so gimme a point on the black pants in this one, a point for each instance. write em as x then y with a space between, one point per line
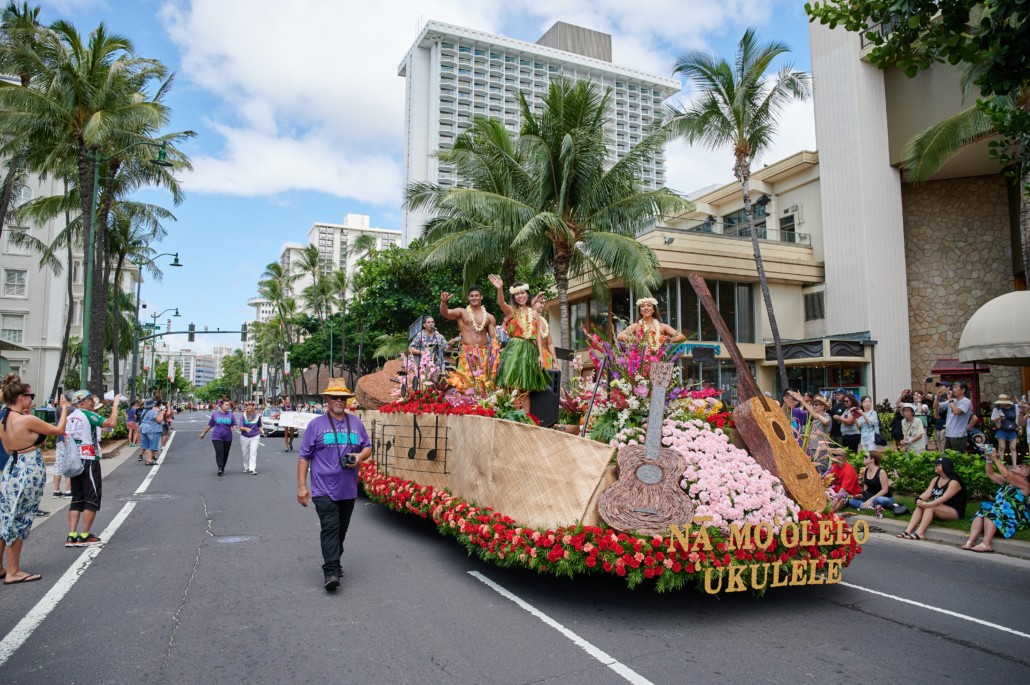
334 516
851 442
221 452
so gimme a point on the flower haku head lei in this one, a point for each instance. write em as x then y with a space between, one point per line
647 300
516 289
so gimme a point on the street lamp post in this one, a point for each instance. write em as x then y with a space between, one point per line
153 327
97 159
135 326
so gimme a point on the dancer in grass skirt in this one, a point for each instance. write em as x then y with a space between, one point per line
522 359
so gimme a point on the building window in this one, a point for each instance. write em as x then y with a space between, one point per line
12 327
787 230
736 223
9 246
735 302
814 307
15 282
77 313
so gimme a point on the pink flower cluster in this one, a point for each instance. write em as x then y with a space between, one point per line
724 481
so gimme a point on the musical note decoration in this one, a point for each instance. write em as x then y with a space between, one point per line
647 497
762 422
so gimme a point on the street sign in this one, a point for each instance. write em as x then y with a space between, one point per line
148 357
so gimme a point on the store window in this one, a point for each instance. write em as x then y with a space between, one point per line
12 327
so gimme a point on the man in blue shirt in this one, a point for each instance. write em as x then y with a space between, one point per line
333 446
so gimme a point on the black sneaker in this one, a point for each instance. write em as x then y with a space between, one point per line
221 472
332 583
72 541
57 493
40 513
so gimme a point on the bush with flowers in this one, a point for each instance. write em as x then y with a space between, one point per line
573 550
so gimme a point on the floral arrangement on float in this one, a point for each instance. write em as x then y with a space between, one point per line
746 532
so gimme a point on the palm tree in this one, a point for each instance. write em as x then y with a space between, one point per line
88 98
364 246
738 105
928 150
560 200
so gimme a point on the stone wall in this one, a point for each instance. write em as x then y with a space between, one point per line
958 255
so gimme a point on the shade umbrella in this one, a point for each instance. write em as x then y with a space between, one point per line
999 332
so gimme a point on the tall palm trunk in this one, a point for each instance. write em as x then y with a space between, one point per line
5 196
742 171
116 324
561 283
68 318
1024 219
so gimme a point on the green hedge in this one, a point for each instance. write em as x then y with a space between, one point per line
910 473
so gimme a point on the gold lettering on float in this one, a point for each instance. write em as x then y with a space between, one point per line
807 539
864 532
777 565
833 570
813 576
703 540
736 580
842 534
740 538
754 576
708 582
789 525
680 536
825 533
769 535
797 571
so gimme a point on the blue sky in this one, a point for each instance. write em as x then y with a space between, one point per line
299 111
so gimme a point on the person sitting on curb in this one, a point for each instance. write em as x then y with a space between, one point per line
944 499
1008 512
876 488
845 483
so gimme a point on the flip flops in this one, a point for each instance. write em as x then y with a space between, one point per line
30 578
911 536
980 549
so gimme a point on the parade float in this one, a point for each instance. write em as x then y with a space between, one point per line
654 490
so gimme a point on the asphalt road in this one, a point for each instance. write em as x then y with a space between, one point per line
211 580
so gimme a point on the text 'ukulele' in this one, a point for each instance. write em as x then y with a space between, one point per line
647 497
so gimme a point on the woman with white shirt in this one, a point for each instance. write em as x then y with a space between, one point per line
869 425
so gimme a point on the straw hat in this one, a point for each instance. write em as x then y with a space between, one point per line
337 386
1004 400
819 399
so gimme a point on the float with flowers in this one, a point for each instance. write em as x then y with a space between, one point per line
653 490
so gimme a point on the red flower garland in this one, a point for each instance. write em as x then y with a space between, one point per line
568 551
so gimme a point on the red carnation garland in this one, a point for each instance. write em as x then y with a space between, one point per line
573 550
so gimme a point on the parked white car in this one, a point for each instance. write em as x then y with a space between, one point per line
270 423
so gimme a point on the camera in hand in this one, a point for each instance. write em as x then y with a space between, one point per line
348 460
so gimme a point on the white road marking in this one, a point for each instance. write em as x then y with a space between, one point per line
25 627
623 670
946 612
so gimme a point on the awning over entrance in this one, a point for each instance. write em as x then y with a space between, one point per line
951 366
999 332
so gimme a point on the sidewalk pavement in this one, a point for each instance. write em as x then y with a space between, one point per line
1019 549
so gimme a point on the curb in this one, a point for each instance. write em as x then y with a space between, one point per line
946 536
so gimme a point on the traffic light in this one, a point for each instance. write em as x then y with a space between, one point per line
243 332
191 335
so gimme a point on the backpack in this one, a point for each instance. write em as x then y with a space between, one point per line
897 431
1008 419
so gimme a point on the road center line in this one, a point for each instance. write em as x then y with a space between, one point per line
939 610
25 627
623 670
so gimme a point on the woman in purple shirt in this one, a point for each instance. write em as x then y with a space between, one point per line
223 421
333 446
250 435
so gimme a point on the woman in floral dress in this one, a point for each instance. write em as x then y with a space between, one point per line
1008 513
24 475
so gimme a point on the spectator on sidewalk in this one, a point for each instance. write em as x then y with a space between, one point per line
868 424
81 435
844 483
913 436
876 487
959 417
850 432
1004 417
1008 513
940 415
943 499
815 442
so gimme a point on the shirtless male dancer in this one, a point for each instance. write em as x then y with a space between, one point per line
479 349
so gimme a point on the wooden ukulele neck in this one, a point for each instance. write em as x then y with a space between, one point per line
747 387
661 373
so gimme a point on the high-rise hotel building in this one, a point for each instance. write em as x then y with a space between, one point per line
454 74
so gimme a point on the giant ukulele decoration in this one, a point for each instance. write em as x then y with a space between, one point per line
762 423
647 497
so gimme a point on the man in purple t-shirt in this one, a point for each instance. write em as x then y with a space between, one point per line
333 446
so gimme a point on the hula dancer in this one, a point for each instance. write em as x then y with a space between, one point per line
650 328
522 361
550 355
479 354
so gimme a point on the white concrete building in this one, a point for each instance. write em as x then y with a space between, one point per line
336 244
207 369
454 74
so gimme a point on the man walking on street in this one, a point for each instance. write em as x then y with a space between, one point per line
333 446
80 434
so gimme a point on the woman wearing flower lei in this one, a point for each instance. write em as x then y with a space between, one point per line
522 359
550 355
649 328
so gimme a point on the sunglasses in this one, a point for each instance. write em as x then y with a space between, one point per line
30 395
337 397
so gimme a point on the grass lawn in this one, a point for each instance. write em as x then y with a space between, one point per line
971 508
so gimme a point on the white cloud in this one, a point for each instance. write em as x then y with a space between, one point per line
309 97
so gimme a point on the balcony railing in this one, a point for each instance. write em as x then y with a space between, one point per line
881 29
770 234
